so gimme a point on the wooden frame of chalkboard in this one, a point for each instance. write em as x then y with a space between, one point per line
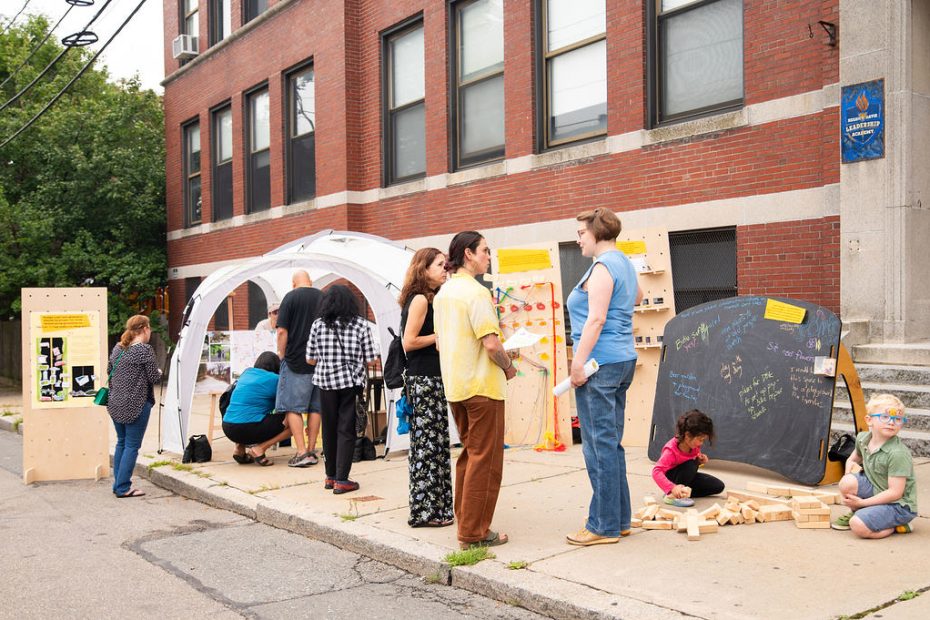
751 369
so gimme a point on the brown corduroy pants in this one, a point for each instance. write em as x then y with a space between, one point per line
479 468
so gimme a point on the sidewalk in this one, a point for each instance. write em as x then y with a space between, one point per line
771 570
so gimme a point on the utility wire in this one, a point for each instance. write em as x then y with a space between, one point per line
75 78
36 48
9 24
54 61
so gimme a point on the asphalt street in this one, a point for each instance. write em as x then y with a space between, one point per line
71 549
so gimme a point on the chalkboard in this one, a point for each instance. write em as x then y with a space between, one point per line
754 376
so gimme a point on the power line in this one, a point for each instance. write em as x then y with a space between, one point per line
76 77
54 61
9 24
36 48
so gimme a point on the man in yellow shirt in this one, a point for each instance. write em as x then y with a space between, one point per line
475 370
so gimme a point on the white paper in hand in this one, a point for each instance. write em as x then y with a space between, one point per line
521 338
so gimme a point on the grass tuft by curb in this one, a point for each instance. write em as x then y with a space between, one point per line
348 517
7 413
904 596
17 423
468 557
158 464
517 564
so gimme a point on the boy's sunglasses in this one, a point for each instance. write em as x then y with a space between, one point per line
885 418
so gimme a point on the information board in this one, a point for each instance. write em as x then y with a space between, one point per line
751 364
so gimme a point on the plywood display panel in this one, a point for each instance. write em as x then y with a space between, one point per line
648 249
64 343
528 292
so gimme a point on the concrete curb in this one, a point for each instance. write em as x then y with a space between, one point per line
6 424
538 592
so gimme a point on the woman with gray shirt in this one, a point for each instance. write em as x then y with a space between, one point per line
132 395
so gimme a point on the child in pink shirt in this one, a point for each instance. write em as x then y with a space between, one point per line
676 471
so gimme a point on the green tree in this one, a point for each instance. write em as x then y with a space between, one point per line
82 191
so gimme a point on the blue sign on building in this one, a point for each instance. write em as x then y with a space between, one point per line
862 107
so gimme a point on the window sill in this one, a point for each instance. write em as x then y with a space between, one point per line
697 127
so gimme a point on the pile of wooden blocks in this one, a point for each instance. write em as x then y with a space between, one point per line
760 504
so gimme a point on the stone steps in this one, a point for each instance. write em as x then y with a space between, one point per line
917 419
910 353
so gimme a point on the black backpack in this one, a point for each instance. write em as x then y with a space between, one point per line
395 364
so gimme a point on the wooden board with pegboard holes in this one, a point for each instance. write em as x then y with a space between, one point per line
527 291
71 440
648 249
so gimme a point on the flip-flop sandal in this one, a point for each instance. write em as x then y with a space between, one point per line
493 539
132 493
261 459
243 459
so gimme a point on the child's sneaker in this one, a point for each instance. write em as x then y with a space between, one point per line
679 502
842 522
903 529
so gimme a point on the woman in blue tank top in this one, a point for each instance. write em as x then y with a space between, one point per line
601 311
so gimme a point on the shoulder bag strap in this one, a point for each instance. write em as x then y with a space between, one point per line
114 366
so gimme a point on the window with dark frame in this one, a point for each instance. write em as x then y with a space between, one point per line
259 159
703 266
220 20
190 18
695 57
301 135
222 152
478 98
253 8
573 66
405 91
258 305
192 197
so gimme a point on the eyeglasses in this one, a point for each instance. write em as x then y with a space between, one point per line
885 418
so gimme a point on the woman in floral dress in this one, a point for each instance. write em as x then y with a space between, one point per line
429 461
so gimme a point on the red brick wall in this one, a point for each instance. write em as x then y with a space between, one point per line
791 259
344 41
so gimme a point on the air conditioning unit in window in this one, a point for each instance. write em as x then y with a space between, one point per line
184 47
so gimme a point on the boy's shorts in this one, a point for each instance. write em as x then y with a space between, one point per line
883 516
296 392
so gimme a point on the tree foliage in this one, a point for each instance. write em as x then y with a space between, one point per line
82 191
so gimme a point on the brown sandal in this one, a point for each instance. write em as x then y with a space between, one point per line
261 459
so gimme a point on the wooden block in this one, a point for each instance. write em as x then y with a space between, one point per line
649 500
639 513
799 518
686 491
694 528
710 513
736 518
757 487
812 518
657 525
829 497
650 512
724 516
814 525
796 491
634 522
753 504
667 515
805 501
760 517
708 526
745 496
776 513
779 491
749 515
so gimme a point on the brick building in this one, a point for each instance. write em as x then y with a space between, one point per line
413 119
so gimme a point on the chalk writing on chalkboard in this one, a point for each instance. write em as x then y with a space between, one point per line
808 388
742 324
685 385
759 392
700 335
730 370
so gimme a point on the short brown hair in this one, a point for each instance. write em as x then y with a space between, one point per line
603 223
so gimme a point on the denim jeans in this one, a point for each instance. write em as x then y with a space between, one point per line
601 408
128 441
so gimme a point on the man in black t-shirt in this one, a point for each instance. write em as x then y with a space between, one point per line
297 394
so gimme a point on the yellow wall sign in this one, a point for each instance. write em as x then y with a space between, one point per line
57 322
515 260
786 313
632 247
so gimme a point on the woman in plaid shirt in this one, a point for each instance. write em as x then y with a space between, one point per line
340 346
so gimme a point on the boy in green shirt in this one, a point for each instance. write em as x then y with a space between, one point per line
883 496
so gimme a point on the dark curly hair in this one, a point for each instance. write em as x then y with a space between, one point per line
696 423
339 305
268 361
468 239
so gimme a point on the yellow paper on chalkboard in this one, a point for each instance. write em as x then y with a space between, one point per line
631 248
786 313
512 261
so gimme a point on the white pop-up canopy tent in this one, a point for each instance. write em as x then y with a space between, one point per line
376 266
